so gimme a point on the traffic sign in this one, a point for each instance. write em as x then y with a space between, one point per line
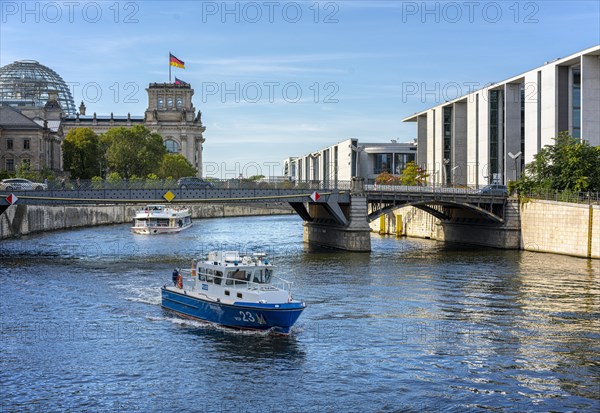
11 199
315 196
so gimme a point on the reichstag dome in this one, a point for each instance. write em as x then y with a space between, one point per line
27 83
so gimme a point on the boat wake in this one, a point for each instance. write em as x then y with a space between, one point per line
205 325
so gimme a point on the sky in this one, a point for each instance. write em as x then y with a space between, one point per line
275 79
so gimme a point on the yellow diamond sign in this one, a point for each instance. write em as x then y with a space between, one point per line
169 196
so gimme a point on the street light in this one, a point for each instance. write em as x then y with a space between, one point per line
515 157
358 150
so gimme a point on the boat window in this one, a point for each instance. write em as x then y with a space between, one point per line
262 276
209 276
239 295
227 292
202 274
218 277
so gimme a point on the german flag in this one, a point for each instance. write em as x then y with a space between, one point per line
173 61
180 82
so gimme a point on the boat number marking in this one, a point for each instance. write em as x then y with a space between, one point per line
205 287
247 316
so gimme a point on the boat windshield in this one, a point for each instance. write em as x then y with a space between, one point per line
262 276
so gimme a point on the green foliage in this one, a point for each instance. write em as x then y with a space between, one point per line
175 165
5 175
97 182
256 177
133 152
413 175
114 177
568 165
81 153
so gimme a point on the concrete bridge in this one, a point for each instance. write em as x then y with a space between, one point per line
336 215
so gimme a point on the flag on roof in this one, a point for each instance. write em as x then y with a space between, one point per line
180 82
173 61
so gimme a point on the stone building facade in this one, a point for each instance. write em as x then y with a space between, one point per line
170 113
31 136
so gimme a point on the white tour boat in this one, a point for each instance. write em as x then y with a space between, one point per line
160 219
234 291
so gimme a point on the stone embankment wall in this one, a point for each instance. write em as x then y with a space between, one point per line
561 228
28 219
542 226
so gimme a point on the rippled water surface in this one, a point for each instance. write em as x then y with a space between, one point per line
413 326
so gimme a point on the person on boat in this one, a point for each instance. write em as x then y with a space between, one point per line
175 276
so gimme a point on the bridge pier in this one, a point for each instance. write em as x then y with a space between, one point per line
354 236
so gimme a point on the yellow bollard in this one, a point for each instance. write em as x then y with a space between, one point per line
398 225
382 225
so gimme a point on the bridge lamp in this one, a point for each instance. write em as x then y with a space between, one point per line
358 150
515 157
454 170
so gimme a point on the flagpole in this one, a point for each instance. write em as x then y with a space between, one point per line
169 67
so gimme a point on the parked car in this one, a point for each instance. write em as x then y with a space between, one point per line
494 189
20 184
193 182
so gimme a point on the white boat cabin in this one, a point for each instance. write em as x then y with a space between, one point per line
230 278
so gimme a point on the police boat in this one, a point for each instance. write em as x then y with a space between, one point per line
234 291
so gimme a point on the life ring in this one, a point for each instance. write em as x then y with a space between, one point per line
179 281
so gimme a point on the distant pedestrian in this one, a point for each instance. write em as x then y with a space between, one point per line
78 183
175 276
46 182
62 183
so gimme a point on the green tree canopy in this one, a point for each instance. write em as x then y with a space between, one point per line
570 164
81 153
175 165
412 175
136 151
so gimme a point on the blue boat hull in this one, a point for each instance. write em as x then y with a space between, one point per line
278 318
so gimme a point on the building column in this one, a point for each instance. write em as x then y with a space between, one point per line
512 130
590 99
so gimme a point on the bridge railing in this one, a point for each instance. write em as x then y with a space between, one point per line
424 189
169 184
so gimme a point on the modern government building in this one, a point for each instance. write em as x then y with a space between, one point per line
490 134
37 111
486 136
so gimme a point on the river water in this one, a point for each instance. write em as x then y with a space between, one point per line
414 326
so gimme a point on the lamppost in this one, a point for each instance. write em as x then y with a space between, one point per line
454 170
515 157
446 162
357 149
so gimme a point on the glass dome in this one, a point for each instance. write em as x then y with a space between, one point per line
27 83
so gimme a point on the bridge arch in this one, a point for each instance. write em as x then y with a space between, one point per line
429 207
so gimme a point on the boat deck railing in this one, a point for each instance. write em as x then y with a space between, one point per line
276 284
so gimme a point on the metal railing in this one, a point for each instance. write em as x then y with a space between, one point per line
207 183
564 196
276 283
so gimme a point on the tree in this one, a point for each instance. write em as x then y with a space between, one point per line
413 175
175 165
570 164
386 178
81 153
136 151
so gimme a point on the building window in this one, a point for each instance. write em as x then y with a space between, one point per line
496 134
9 144
26 143
10 165
383 163
447 144
171 146
576 95
161 103
179 103
400 161
169 102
